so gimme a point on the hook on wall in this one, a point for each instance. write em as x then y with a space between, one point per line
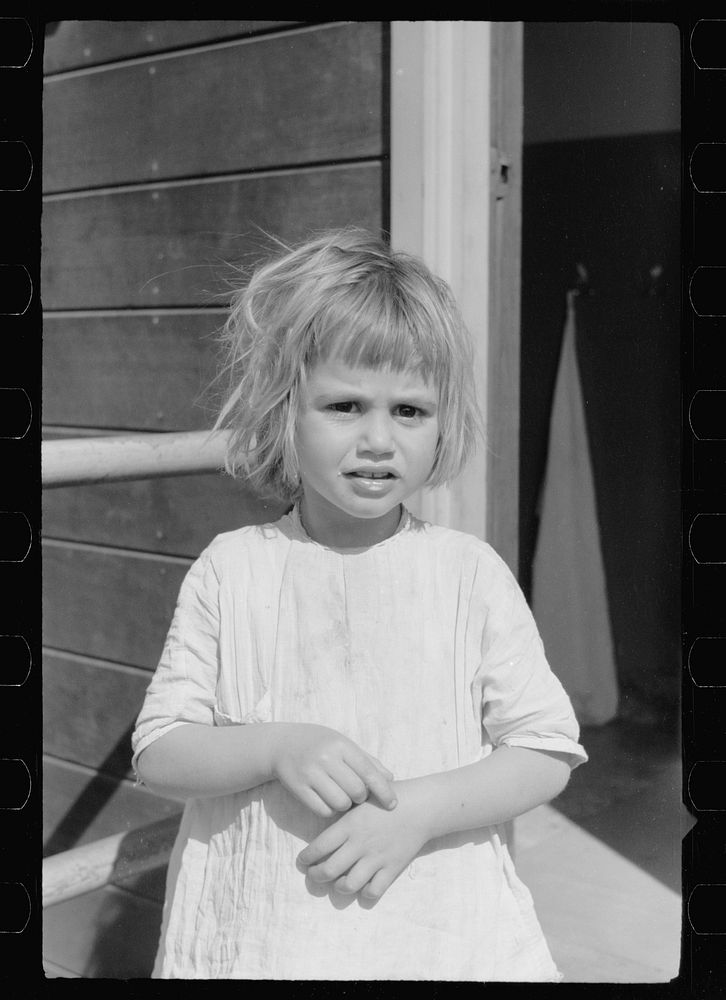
581 284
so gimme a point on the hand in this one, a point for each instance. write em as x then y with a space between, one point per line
368 848
328 772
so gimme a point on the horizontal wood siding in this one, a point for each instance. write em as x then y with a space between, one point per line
72 44
177 516
106 934
171 148
90 710
104 371
81 805
326 102
171 246
110 604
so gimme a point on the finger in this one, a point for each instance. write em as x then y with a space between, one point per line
333 867
380 882
350 782
331 793
369 770
313 801
357 877
382 788
324 844
388 774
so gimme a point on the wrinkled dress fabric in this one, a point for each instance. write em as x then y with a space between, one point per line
423 651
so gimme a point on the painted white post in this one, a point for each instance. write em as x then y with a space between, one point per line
440 188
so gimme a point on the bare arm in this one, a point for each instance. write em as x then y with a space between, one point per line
507 783
197 760
325 770
366 849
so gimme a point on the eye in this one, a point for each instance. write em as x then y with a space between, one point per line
345 406
409 412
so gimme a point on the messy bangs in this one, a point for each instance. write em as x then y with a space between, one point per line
348 296
372 326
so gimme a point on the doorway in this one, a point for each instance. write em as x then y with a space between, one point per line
601 214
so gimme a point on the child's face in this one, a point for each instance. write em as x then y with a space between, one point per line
366 440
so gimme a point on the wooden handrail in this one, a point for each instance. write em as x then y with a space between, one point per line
112 859
82 461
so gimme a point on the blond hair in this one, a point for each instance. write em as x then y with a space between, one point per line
344 293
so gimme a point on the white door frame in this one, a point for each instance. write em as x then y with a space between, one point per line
456 121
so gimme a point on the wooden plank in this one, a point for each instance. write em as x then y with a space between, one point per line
71 44
301 98
108 604
53 432
166 246
89 711
151 884
53 971
605 918
103 371
80 806
502 398
176 516
106 934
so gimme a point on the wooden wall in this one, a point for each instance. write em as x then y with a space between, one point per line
169 146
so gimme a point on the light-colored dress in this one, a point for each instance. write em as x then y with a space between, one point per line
423 651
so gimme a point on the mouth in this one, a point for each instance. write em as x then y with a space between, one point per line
370 474
372 482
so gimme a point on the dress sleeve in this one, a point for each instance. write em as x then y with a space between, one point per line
183 687
522 701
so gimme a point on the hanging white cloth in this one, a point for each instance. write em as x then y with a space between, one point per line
569 591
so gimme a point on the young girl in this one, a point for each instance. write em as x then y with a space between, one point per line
352 702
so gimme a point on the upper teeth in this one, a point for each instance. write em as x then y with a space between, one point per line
373 475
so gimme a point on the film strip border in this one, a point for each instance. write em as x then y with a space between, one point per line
703 969
704 502
20 321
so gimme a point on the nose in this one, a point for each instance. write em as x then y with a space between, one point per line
377 434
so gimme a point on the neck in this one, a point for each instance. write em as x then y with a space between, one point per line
342 532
